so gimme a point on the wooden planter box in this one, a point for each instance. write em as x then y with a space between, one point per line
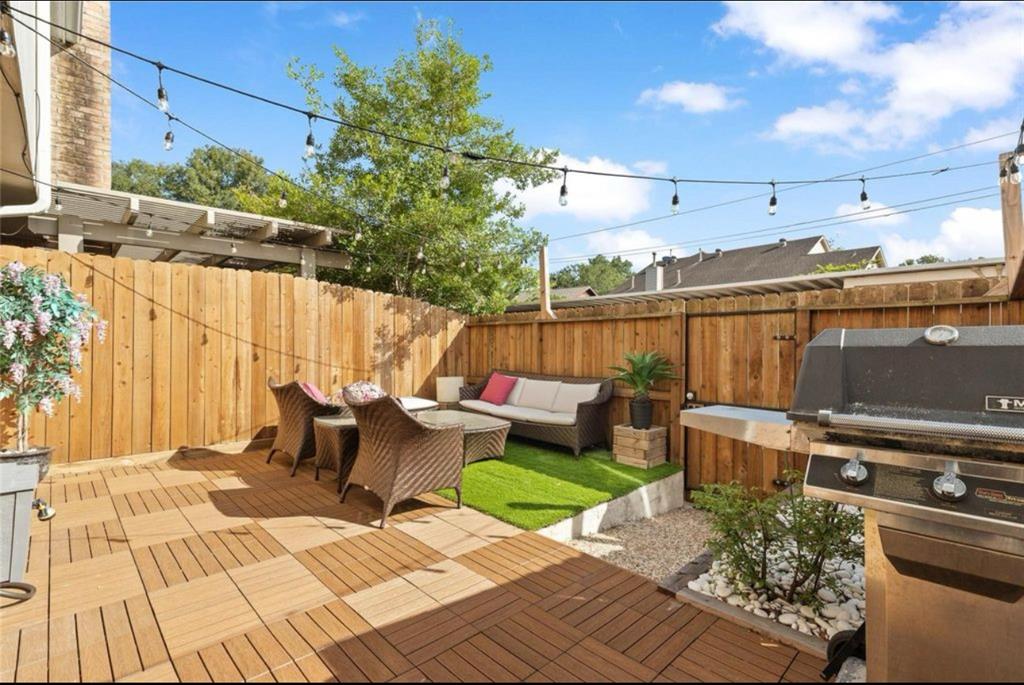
642 448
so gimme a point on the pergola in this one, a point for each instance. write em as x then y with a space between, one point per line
150 228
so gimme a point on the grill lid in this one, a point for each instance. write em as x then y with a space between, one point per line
966 383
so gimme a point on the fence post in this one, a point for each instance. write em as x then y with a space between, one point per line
1013 232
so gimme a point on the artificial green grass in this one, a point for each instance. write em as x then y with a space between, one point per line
534 486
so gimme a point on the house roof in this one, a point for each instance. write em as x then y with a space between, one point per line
575 293
756 263
943 271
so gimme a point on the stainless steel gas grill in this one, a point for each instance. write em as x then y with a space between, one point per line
924 429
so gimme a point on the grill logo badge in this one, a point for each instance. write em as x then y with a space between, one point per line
999 403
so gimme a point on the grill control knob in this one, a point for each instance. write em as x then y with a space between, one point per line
854 472
947 486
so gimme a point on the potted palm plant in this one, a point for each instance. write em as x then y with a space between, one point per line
642 371
43 327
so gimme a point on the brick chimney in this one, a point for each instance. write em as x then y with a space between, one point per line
80 104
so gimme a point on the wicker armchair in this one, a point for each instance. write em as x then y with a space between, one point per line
591 427
400 458
295 427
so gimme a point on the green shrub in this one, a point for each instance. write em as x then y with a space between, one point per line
756 535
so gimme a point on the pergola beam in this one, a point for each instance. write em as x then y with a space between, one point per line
206 220
268 232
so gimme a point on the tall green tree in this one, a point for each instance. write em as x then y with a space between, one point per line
389 192
923 259
599 272
210 176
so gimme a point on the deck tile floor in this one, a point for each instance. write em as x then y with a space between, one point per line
219 567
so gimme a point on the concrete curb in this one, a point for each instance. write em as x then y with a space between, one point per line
647 501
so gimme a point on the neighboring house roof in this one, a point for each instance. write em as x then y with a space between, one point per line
782 259
577 293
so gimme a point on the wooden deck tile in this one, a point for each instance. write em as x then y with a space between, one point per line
449 581
478 524
161 673
174 477
151 529
447 538
390 602
202 612
296 533
209 516
125 484
280 587
83 512
93 583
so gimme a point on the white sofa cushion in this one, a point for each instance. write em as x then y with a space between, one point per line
571 394
517 392
538 394
505 411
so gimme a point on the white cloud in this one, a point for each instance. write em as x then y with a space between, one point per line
969 232
991 129
591 198
345 20
651 167
611 242
970 60
851 86
696 98
879 217
807 31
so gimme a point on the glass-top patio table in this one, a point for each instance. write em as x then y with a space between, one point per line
483 436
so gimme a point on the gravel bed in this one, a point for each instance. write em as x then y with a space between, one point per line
655 547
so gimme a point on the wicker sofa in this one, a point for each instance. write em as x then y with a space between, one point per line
587 426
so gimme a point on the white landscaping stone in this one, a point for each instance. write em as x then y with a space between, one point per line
787 619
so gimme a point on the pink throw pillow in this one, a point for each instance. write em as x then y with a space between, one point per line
313 392
499 387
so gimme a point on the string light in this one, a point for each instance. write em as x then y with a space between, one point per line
310 140
169 136
161 92
445 178
1014 173
563 194
479 266
865 203
1004 176
773 203
675 197
7 48
57 206
149 231
419 255
462 263
234 249
282 201
358 235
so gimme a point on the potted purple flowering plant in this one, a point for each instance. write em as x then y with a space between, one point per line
43 327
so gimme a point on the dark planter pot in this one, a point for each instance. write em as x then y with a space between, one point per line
40 456
641 412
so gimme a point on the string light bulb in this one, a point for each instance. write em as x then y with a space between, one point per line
1014 173
310 140
563 194
419 254
446 179
7 48
367 269
234 248
161 92
462 263
282 201
865 203
169 136
773 203
149 231
1019 154
1004 176
479 266
675 196
358 235
57 206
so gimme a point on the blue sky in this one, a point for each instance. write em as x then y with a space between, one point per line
711 90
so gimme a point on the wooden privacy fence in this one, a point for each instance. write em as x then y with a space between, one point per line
735 350
189 350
